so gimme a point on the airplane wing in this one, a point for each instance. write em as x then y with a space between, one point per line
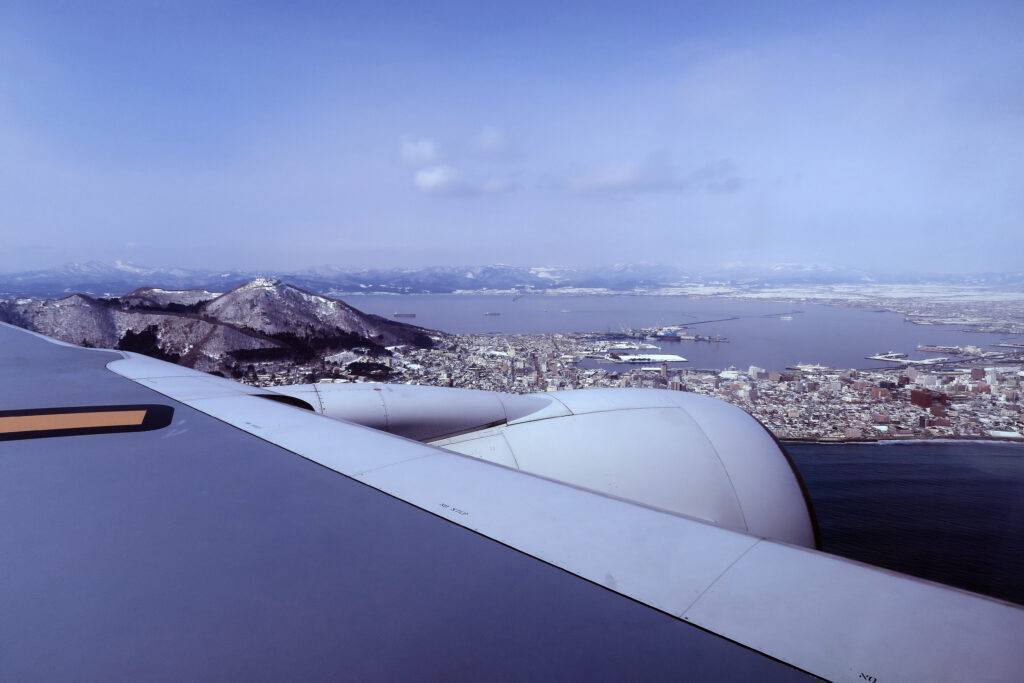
159 523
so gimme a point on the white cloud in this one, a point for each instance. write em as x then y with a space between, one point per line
439 179
419 151
447 174
444 179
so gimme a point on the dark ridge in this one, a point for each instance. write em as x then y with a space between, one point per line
370 370
422 341
170 307
312 345
146 343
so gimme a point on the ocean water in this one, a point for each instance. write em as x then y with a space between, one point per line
951 512
836 336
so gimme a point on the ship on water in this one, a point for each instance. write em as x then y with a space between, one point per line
675 336
491 313
939 348
666 334
405 315
645 358
808 367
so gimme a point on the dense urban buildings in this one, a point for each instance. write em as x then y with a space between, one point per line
969 399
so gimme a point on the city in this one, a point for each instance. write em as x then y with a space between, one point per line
974 399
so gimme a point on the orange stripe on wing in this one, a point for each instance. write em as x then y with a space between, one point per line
61 421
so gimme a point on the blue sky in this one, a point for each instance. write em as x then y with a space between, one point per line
284 135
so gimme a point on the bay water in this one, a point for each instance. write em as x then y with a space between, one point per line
771 335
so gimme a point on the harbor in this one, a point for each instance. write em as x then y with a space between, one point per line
904 359
747 333
645 358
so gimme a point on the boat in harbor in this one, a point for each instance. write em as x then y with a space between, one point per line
645 358
939 348
808 367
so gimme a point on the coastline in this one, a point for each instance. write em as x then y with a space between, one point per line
892 299
915 439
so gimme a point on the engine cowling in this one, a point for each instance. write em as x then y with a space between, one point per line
677 451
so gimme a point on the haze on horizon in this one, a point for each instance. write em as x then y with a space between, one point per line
286 135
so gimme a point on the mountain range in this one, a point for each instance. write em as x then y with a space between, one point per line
106 280
259 320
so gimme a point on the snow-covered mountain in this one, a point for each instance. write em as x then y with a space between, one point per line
107 280
273 307
156 297
99 279
263 318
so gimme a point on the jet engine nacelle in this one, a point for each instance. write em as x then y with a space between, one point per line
672 450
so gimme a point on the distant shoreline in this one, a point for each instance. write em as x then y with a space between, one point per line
814 295
915 439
